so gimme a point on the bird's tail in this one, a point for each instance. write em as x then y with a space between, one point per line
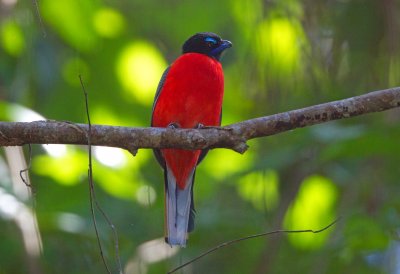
179 209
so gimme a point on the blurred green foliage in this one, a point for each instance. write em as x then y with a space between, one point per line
286 55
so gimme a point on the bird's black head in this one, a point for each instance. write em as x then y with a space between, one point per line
207 43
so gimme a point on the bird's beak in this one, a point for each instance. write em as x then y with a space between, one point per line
223 46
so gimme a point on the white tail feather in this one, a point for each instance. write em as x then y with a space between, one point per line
178 209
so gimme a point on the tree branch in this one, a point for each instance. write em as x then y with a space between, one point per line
233 136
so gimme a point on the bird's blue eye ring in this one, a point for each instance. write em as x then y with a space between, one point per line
211 40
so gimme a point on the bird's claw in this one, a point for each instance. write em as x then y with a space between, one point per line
199 126
173 125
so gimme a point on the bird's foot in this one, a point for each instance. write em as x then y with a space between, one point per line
199 126
173 125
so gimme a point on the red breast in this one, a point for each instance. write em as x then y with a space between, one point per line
192 93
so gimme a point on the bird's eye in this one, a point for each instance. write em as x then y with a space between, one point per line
210 40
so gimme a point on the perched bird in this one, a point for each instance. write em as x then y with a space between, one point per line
189 95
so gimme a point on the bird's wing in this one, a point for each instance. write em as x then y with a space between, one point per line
159 88
157 152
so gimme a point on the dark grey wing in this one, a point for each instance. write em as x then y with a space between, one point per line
157 152
159 88
192 209
205 151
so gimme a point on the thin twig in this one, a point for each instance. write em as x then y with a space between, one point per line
90 177
32 192
115 234
250 237
37 12
25 170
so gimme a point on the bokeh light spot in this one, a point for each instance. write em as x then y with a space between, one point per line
56 150
65 170
22 114
261 189
217 165
12 38
139 68
312 209
146 195
278 43
122 184
110 156
70 222
108 22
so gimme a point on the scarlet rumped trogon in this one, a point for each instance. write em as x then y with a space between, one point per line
189 95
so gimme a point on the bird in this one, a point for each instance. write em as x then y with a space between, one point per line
189 95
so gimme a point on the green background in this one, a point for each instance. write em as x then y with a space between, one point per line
286 55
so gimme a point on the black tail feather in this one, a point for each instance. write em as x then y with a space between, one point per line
192 209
